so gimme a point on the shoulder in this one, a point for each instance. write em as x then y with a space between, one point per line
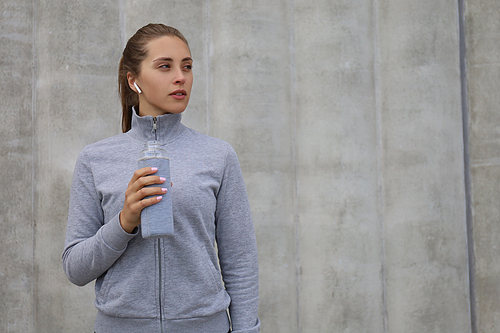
115 147
207 150
208 143
115 144
108 143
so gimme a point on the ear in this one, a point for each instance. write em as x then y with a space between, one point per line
131 81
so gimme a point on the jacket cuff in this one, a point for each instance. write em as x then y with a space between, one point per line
114 236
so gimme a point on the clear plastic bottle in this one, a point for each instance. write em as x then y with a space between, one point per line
157 220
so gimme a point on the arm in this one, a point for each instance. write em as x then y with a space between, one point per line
237 248
91 246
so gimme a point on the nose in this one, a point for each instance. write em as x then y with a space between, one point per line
179 78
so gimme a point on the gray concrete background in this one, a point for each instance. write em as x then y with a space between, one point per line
347 119
483 59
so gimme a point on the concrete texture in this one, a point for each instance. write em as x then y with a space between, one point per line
422 167
483 74
347 119
17 167
337 147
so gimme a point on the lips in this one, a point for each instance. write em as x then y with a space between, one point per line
179 94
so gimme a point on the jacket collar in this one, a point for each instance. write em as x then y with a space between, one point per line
168 127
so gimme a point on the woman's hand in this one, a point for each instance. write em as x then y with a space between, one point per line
130 216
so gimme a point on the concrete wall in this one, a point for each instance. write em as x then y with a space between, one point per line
347 119
17 86
483 64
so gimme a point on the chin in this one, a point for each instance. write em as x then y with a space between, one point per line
175 110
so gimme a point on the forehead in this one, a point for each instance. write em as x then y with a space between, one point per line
167 47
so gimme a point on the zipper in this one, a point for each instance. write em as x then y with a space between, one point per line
154 127
159 253
159 285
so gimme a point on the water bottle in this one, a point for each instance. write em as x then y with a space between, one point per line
157 220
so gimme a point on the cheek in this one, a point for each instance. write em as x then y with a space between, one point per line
157 85
189 82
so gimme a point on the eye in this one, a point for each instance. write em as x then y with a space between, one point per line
188 67
164 66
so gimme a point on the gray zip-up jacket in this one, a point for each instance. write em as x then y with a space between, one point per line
171 284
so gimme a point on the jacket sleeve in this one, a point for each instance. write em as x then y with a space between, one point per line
91 246
237 248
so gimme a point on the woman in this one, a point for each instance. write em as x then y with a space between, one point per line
170 284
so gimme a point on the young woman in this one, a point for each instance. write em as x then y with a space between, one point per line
171 284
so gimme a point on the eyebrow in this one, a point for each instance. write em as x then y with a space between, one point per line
170 59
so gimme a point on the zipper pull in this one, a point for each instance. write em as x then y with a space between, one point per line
154 127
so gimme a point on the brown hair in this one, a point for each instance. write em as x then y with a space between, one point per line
133 55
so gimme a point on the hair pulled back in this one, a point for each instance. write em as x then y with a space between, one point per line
133 55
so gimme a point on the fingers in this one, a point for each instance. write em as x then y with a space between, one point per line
140 194
135 207
145 192
139 179
149 201
137 195
138 174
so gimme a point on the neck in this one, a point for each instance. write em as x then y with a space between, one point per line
168 127
143 112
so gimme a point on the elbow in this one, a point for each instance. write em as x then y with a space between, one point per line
75 278
78 282
73 274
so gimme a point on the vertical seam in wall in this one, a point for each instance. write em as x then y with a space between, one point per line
378 107
467 177
207 72
296 217
33 165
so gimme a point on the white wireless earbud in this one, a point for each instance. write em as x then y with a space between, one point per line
137 87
